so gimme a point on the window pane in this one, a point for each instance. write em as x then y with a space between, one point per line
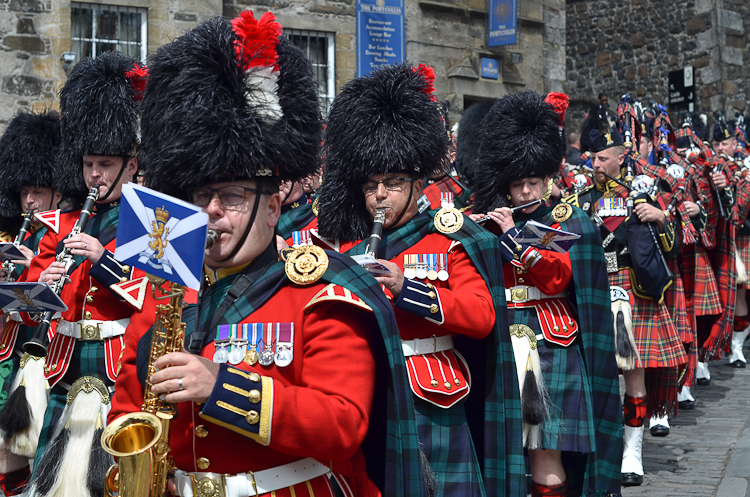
130 26
106 27
80 23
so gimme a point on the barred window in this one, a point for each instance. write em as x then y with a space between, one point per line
95 29
319 46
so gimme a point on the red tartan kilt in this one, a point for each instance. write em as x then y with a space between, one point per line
706 298
656 337
675 300
743 249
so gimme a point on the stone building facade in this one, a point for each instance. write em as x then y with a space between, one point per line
630 46
449 35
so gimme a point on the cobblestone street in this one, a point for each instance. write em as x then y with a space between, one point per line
707 452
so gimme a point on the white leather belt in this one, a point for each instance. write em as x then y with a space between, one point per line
248 484
92 329
420 346
14 316
523 293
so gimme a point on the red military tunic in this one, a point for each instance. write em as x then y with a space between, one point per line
318 406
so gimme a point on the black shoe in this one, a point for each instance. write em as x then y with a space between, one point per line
687 405
738 364
659 431
631 480
703 381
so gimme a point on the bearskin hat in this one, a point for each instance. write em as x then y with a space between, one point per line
99 115
385 122
28 155
229 101
467 141
521 137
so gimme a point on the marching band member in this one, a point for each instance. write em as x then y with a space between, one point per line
28 150
99 136
558 303
384 136
309 406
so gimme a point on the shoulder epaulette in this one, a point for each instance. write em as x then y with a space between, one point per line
50 219
337 293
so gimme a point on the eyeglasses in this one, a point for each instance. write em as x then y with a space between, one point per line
228 195
390 184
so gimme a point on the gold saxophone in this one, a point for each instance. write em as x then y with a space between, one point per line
140 440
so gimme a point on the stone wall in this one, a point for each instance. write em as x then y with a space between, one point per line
631 46
35 33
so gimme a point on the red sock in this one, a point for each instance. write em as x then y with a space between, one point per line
539 490
633 411
15 482
740 323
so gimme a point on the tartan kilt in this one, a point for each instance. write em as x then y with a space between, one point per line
743 250
569 426
446 442
676 302
706 298
656 337
661 385
88 359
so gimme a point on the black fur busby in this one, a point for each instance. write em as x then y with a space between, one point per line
520 138
28 154
467 141
99 116
229 101
385 122
723 130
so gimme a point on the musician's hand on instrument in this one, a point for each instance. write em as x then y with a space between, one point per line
691 208
394 282
53 273
28 253
86 246
475 217
719 180
184 377
647 213
503 217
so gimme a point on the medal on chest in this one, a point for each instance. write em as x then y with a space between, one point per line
255 333
426 266
284 344
269 339
238 344
222 341
301 238
448 219
607 207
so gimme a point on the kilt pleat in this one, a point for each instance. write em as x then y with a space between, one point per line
706 298
446 442
677 305
743 249
656 337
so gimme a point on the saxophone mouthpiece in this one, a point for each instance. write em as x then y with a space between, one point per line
212 238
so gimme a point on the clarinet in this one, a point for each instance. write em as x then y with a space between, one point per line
37 345
11 266
377 228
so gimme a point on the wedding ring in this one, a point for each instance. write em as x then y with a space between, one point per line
85 245
179 384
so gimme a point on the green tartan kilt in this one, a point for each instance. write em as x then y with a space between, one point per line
9 367
87 360
570 425
446 442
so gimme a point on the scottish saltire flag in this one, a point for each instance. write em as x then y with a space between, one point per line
9 252
541 236
29 297
162 235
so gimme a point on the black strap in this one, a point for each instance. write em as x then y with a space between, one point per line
240 285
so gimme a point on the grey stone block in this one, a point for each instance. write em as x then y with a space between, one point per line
732 487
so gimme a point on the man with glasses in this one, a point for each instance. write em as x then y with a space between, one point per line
384 136
285 372
98 128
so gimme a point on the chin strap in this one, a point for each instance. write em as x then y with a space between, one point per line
125 160
408 203
249 226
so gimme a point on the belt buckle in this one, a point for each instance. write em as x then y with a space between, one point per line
255 487
519 294
612 265
91 332
434 344
210 487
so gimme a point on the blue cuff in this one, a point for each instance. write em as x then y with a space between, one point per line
508 245
241 402
421 299
109 271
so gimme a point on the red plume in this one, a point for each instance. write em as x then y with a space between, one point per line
559 101
428 74
257 40
138 76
